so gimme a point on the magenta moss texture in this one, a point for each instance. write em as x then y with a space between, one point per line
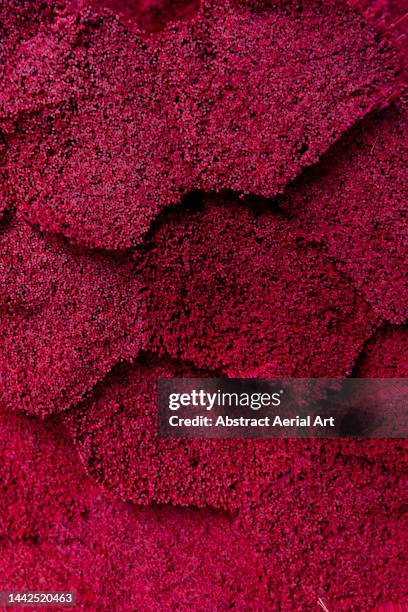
58 529
199 189
66 318
114 127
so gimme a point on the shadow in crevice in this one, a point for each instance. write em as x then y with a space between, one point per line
150 16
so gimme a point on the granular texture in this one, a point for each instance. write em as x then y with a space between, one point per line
332 525
66 318
231 287
104 122
342 500
59 531
115 430
355 202
69 315
149 15
390 18
243 98
116 434
385 355
5 195
20 20
328 511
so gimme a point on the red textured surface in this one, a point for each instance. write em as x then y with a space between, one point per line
101 166
273 306
66 319
149 15
392 607
20 20
327 511
102 127
385 355
355 202
390 18
5 198
116 432
59 531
